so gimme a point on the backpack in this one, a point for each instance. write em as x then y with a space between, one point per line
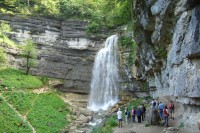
165 112
171 105
129 114
154 103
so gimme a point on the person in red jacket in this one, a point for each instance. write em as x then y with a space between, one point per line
166 114
171 110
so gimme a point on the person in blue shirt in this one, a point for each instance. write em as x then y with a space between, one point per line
139 114
161 106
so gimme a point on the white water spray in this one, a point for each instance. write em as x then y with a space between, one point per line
104 85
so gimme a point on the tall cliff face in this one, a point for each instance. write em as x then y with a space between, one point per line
168 38
63 49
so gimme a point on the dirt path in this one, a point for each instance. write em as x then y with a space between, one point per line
19 115
140 128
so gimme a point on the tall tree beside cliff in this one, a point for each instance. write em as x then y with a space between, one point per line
29 52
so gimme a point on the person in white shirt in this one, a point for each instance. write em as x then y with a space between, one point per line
119 117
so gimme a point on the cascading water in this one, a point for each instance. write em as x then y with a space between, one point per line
105 78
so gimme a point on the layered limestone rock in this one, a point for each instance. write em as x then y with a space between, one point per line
168 38
63 49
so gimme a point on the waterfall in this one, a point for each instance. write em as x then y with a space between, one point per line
105 78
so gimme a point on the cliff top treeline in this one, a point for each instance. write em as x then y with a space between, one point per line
99 13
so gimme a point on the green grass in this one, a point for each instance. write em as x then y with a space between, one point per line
48 113
22 102
108 126
16 79
10 122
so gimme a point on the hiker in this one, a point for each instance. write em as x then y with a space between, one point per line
139 114
143 109
161 106
171 110
153 103
119 117
127 115
157 103
133 114
166 114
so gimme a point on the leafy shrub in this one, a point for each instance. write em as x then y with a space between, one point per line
44 80
112 122
108 126
4 30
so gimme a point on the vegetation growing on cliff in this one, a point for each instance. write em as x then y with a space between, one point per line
128 45
99 13
29 52
4 39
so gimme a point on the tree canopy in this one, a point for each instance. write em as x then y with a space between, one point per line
100 13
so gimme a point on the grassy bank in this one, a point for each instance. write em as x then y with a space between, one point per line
10 121
15 79
46 112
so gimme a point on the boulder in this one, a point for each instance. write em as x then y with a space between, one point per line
153 116
170 130
83 118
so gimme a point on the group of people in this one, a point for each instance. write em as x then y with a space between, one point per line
139 113
165 111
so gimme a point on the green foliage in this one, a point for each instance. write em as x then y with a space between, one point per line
29 52
44 80
181 125
108 126
112 122
48 113
15 79
22 101
9 120
5 29
3 58
135 103
100 14
128 44
161 52
94 27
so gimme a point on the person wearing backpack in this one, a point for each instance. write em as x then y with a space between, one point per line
133 114
171 110
127 114
139 114
166 114
153 103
